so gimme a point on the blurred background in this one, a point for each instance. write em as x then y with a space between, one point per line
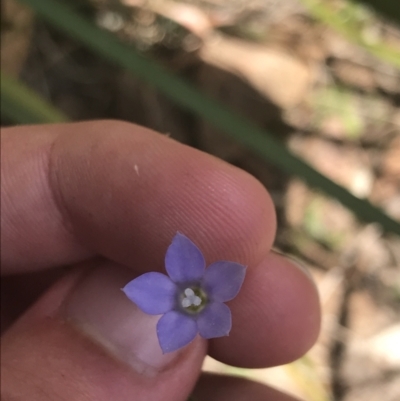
316 79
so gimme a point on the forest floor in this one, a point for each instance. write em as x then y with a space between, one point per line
334 103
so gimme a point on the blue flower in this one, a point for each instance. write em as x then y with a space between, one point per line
191 299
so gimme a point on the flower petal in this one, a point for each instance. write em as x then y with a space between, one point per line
214 321
154 293
175 330
223 280
184 262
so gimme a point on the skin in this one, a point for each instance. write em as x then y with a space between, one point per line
78 196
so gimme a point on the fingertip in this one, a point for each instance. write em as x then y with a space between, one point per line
123 191
276 317
134 183
237 216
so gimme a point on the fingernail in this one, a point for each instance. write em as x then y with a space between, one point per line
99 308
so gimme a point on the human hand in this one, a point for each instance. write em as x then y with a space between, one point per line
86 207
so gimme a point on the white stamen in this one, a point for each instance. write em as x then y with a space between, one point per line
189 292
190 298
186 302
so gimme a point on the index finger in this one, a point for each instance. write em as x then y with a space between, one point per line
122 191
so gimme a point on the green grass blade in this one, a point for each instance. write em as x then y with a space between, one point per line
23 106
237 127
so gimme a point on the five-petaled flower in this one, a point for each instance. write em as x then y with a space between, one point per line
191 299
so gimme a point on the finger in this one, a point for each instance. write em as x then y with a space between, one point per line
20 291
212 387
85 331
276 316
111 188
83 341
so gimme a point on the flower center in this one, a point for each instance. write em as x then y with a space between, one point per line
193 299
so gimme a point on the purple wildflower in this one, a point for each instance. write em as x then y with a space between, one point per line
191 299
